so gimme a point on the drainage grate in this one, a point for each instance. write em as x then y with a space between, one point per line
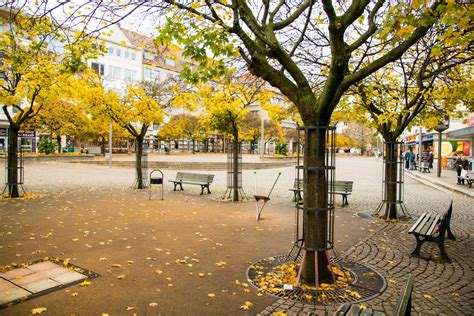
38 278
366 283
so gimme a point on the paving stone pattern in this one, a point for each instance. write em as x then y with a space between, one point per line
440 288
23 282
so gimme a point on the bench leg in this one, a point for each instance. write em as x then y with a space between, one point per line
344 200
208 190
450 234
419 243
181 186
175 185
202 190
444 255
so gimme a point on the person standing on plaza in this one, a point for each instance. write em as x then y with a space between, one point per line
407 158
458 164
429 160
411 161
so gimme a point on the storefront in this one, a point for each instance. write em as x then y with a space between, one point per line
27 140
464 137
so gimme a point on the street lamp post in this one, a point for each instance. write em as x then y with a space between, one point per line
442 126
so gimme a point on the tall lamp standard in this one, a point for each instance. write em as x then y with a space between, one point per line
442 126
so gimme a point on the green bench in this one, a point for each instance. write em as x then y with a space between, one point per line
433 227
343 188
204 180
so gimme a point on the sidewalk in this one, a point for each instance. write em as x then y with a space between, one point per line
448 180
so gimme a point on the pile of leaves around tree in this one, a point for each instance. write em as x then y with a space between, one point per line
274 282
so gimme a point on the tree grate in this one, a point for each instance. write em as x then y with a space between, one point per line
366 284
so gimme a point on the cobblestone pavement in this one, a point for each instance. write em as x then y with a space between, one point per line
440 288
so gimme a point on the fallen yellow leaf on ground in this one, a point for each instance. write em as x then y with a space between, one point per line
85 283
38 310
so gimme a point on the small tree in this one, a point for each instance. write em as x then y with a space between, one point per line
31 69
134 113
226 106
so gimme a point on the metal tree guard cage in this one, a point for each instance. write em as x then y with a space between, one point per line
20 170
299 248
390 164
230 172
143 166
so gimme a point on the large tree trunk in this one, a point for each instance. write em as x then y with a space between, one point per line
235 167
138 157
194 146
315 198
12 162
391 181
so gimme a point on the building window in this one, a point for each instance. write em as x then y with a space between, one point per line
98 68
170 62
115 72
133 56
150 74
149 55
118 52
127 54
111 50
130 75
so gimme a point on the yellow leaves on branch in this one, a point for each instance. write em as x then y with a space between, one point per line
405 31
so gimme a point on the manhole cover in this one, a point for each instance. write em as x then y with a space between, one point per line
38 278
363 283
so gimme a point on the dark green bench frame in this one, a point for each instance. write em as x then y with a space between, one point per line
433 227
341 187
204 180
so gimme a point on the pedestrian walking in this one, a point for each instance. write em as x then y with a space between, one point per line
411 161
430 160
459 165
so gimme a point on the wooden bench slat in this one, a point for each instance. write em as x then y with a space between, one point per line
404 301
433 225
422 224
417 223
426 227
354 310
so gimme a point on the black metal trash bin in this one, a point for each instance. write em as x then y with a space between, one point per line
156 179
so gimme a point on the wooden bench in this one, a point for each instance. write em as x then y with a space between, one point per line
343 188
425 167
204 180
403 307
433 227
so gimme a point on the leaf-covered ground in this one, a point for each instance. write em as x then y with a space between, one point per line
185 255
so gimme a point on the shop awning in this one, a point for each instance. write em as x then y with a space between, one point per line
466 132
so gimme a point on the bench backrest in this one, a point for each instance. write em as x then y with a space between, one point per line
195 177
446 219
403 306
345 186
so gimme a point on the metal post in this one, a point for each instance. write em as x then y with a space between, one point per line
262 140
420 148
110 145
439 153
